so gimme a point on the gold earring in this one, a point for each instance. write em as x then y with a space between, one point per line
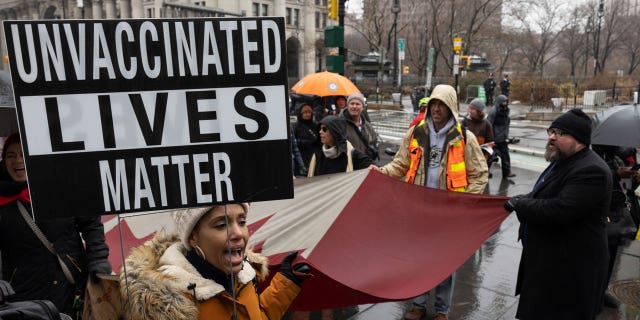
199 252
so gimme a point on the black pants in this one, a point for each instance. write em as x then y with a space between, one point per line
503 153
489 95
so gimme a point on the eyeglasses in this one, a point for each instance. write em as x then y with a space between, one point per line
324 129
556 132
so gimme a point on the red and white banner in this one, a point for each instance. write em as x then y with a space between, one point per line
368 238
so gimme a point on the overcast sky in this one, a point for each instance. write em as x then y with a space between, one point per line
355 6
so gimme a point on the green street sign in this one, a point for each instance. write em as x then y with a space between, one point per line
401 44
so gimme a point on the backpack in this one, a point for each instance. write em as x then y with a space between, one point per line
31 310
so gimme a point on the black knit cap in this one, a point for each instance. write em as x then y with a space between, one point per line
576 123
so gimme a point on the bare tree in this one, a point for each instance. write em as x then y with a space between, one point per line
611 32
572 39
506 44
630 43
542 23
476 20
376 26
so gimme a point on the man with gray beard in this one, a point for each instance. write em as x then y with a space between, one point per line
564 259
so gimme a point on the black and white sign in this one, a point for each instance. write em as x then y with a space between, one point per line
136 115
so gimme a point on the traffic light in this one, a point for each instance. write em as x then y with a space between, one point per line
333 8
405 69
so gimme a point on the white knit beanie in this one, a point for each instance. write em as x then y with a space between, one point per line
187 219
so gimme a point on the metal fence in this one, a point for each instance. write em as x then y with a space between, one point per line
562 98
390 123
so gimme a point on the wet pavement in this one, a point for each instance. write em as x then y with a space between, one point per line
485 284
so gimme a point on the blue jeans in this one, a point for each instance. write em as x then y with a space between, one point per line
444 295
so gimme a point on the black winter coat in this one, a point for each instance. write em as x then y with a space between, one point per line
34 272
325 165
563 267
308 138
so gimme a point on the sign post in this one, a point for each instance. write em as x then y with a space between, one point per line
400 58
457 47
136 115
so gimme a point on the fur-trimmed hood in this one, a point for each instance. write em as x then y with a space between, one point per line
159 280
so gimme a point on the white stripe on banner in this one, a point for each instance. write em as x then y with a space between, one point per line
85 122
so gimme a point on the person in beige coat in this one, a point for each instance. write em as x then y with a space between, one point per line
439 153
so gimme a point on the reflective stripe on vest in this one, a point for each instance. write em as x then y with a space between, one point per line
456 168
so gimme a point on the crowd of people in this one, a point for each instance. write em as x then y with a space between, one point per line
206 270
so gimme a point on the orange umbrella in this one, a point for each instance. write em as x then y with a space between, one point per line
325 84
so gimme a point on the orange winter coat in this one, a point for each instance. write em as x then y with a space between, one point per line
161 282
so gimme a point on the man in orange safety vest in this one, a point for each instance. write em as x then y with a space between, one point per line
439 153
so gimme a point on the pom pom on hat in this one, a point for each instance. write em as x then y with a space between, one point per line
187 219
576 123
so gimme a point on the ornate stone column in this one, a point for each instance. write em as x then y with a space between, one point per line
309 44
110 9
137 10
125 9
97 9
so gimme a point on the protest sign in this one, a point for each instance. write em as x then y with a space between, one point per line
136 115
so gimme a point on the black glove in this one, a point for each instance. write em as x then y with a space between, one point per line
302 171
101 266
510 205
298 273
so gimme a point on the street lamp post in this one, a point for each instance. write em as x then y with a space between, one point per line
588 29
395 10
596 49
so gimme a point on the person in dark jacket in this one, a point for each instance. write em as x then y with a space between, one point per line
500 120
360 132
505 85
336 153
306 132
477 123
489 88
33 271
563 266
297 164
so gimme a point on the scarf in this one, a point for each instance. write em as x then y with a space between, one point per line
11 191
331 152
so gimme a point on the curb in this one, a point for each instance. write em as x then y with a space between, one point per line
525 150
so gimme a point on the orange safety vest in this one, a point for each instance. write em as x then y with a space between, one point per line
456 167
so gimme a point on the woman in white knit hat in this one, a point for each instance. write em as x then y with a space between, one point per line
205 271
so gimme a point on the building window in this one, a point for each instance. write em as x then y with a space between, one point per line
296 17
288 16
150 13
324 3
324 21
199 3
255 7
318 20
265 9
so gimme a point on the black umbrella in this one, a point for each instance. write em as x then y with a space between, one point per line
617 126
